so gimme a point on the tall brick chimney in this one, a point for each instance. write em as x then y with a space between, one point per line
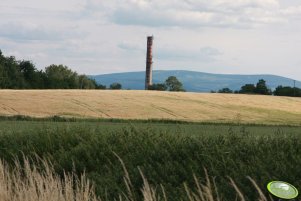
149 63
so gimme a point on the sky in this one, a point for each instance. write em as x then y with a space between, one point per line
109 36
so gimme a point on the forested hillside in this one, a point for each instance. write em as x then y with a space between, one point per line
21 74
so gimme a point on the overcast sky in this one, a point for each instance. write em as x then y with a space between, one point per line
107 36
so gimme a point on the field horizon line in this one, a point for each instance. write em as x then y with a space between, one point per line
57 118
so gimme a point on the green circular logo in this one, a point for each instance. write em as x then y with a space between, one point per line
282 190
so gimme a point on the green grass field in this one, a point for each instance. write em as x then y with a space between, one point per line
186 129
167 153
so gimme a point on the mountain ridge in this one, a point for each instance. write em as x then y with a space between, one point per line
194 81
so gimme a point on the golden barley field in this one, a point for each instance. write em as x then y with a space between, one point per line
132 104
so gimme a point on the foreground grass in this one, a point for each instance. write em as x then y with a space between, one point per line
26 182
168 155
129 104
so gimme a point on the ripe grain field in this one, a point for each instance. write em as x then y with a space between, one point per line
168 153
132 104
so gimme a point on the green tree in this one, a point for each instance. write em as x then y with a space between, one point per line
173 84
61 77
86 83
158 87
28 70
247 89
287 91
115 85
34 79
261 88
4 76
100 86
225 90
24 75
12 74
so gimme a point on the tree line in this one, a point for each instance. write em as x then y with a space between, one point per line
262 89
15 74
171 84
23 74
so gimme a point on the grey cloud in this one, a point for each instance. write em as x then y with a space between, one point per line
26 11
88 35
75 51
19 31
292 11
210 51
193 13
130 47
205 54
25 32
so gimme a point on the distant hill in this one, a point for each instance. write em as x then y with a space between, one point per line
193 81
